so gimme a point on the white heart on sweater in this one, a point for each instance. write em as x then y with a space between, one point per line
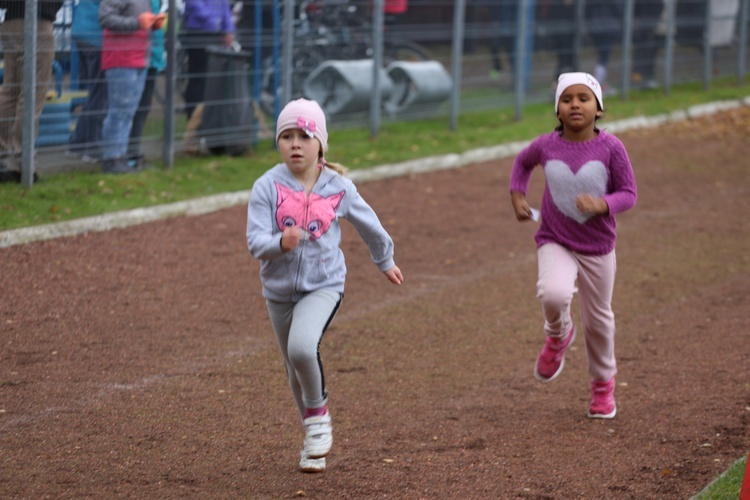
565 186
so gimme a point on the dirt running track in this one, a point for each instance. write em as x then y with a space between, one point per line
141 363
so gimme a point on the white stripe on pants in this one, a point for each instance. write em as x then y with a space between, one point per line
559 268
299 328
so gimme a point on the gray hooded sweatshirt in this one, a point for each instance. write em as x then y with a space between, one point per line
278 200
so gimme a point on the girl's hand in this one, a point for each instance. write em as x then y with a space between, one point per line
146 20
588 205
290 238
394 275
159 21
520 206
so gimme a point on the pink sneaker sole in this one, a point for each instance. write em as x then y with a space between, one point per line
602 415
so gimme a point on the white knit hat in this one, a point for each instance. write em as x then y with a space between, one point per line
568 79
306 115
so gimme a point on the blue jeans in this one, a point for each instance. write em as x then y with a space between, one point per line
124 89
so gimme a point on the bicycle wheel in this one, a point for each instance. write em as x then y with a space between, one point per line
404 50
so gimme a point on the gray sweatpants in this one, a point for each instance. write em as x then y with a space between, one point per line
299 328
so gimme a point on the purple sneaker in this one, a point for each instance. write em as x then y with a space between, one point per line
602 399
551 359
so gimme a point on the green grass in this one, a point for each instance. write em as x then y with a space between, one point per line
74 195
727 485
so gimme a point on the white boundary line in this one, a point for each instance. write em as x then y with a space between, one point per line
209 204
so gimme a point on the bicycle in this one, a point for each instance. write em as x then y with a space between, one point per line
325 31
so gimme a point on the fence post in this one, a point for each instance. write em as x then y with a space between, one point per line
669 45
377 47
257 60
707 51
742 55
459 13
29 92
580 25
627 48
167 152
520 69
287 50
275 58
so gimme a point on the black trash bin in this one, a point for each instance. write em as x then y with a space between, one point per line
228 120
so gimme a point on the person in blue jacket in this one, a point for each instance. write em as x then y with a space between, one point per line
85 141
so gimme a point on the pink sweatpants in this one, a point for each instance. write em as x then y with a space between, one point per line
559 269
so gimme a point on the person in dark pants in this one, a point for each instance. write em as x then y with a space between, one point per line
12 90
504 18
205 23
646 42
605 30
85 141
158 63
558 18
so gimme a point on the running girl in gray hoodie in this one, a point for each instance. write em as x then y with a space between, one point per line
293 229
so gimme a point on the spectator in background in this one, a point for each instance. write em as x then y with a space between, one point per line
499 40
504 17
646 41
158 63
558 18
126 39
205 23
245 29
605 29
85 141
12 91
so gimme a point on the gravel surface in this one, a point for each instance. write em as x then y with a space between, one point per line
140 362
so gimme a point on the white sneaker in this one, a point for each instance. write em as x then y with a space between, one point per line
307 464
318 436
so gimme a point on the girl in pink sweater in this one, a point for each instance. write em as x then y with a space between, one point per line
589 179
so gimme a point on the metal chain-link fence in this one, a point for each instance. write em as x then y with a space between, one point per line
372 61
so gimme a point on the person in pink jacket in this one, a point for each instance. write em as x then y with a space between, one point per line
126 46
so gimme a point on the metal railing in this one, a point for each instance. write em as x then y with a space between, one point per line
629 44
